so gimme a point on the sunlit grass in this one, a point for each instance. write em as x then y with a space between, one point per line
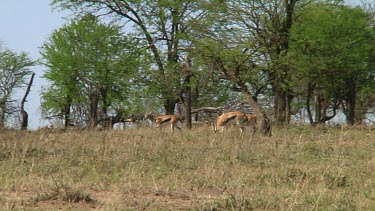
297 168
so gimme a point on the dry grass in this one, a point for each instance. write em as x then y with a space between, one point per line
299 168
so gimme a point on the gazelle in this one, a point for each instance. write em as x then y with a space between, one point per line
237 117
158 120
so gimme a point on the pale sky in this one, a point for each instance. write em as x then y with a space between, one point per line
24 26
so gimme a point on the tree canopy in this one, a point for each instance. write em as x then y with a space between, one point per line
90 66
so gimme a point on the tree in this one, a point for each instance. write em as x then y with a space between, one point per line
233 63
265 26
231 49
162 26
24 114
332 48
13 74
89 65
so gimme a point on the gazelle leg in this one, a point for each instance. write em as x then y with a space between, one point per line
241 130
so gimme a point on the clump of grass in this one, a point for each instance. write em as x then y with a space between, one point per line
64 194
68 194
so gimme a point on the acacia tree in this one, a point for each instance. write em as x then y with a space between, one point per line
89 67
13 74
332 47
248 43
162 26
246 46
254 38
232 64
265 26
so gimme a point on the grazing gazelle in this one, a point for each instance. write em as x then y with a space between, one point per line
159 119
237 117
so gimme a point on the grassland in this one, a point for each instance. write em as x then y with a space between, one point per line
299 168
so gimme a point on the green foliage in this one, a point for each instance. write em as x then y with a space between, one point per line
165 29
229 50
331 49
88 57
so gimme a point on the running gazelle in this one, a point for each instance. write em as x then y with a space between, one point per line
159 119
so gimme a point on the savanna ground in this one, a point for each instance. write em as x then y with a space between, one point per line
298 168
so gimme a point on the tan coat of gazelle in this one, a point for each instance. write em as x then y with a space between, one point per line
158 120
239 119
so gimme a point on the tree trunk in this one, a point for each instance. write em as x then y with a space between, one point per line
350 101
106 104
24 115
263 120
308 97
3 110
93 115
282 94
25 120
280 106
169 106
195 101
188 74
282 102
66 113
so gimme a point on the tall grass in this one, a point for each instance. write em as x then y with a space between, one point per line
298 168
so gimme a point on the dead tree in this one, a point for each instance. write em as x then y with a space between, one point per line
24 115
